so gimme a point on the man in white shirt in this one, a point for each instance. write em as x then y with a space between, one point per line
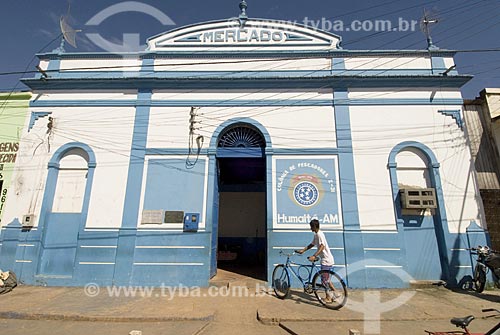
327 261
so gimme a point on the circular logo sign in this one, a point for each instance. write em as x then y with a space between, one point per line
306 193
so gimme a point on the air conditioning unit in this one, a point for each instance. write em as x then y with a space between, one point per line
418 198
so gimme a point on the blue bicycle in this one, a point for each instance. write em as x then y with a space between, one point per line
328 287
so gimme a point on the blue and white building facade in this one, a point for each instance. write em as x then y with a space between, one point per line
247 129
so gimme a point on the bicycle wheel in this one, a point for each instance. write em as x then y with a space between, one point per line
479 279
330 289
281 281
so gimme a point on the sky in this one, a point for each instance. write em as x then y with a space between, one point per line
28 27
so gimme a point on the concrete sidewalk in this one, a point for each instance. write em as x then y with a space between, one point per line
384 312
250 307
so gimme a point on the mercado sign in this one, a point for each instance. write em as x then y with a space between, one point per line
13 115
307 188
242 36
231 34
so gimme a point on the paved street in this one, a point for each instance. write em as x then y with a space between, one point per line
239 306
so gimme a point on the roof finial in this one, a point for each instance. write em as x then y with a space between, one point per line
243 15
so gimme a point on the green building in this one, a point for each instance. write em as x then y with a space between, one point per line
14 108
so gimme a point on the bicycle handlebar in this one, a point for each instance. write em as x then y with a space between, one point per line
296 252
288 255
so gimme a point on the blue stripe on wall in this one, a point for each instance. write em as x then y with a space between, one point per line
126 238
353 244
136 163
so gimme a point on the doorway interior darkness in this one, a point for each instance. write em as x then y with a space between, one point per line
242 216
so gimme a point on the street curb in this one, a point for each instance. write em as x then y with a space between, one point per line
278 321
96 318
287 329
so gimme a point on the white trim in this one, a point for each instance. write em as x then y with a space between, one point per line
102 229
96 263
99 246
308 230
458 249
316 40
203 214
295 248
384 266
23 261
168 264
372 232
162 229
382 249
31 228
170 247
464 266
305 226
25 245
176 226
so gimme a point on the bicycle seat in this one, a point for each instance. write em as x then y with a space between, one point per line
462 322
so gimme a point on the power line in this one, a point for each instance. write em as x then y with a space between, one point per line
293 59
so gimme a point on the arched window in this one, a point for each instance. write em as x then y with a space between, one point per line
412 169
241 136
71 182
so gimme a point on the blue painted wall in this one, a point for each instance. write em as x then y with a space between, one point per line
168 257
59 244
170 185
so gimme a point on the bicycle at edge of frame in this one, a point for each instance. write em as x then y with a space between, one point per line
464 322
328 287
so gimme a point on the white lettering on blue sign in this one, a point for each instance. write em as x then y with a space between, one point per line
315 167
330 218
306 218
281 179
242 36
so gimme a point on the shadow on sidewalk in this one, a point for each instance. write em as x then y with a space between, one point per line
300 297
484 295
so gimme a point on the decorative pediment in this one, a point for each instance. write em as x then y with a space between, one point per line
254 34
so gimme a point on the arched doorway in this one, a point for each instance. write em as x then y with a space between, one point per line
241 178
64 208
414 167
